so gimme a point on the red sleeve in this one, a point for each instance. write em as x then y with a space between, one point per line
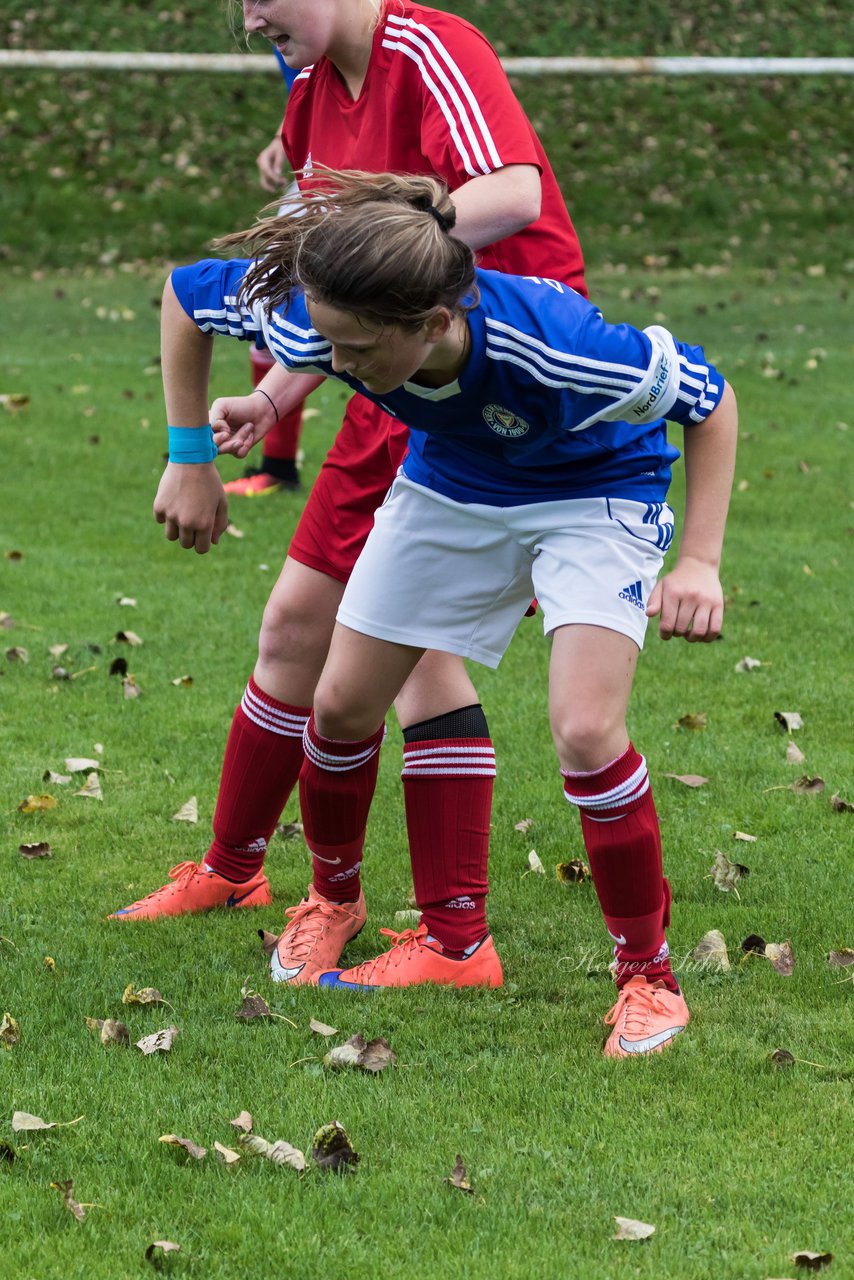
471 121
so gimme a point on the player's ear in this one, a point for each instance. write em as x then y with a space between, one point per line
438 324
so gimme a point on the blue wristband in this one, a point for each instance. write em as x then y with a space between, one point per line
191 444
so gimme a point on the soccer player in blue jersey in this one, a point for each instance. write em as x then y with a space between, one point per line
538 465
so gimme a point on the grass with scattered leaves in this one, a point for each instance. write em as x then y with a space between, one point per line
737 1163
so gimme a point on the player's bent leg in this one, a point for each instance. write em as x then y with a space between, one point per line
296 631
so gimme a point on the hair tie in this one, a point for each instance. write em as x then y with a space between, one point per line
443 222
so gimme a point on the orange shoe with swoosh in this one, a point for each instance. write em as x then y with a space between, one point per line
316 934
646 1019
194 888
415 958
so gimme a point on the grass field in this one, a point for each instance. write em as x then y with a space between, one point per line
737 1163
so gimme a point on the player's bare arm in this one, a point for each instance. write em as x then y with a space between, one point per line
497 204
689 599
240 422
190 501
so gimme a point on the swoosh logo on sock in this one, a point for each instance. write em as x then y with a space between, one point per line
280 972
618 938
651 1042
332 862
234 901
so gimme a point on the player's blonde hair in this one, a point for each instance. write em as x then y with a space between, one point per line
375 244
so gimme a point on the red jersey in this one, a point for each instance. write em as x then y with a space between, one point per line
436 102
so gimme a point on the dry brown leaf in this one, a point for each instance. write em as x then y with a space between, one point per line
742 835
14 402
226 1154
331 1149
186 1144
289 830
145 995
790 720
49 963
807 786
631 1229
119 667
688 779
81 764
13 555
57 650
711 950
58 779
782 1058
66 1189
748 664
781 957
524 826
23 1122
812 1261
279 1152
234 531
91 788
37 804
158 1041
182 682
153 1251
268 941
839 805
321 1028
371 1055
111 1031
130 688
794 755
459 1177
188 812
10 1032
842 958
243 1122
535 863
128 637
408 919
40 850
126 602
694 721
753 945
17 654
573 872
254 1006
726 874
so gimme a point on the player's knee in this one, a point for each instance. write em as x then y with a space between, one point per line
292 636
584 737
339 714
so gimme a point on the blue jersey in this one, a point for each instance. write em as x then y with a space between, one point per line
289 73
553 402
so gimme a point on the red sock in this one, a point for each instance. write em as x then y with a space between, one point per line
447 787
282 440
262 761
623 843
336 787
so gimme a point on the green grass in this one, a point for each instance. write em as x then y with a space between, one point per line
737 1164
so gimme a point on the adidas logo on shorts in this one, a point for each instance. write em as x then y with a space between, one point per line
634 594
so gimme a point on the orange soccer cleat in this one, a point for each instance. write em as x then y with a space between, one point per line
646 1018
316 934
415 958
195 888
255 484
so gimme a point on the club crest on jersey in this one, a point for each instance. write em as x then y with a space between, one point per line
504 422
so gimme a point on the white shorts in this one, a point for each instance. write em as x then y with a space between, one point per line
458 577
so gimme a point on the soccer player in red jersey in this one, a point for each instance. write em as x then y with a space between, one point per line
400 87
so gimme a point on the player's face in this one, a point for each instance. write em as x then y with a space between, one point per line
302 30
380 357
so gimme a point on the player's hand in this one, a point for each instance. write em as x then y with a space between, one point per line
239 422
688 602
191 503
271 165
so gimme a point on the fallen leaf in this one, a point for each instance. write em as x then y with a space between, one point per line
119 667
186 1144
10 1032
57 650
689 779
694 721
254 1006
812 1261
145 995
13 555
14 401
790 720
748 664
781 1058
631 1229
524 826
726 874
573 872
711 950
331 1149
112 1032
49 963
128 637
781 957
372 1055
839 805
321 1028
535 863
279 1152
188 812
91 788
807 786
289 830
459 1178
408 919
158 1041
182 681
23 1122
842 958
37 804
80 764
753 945
164 1246
65 1189
234 531
243 1122
127 602
130 688
226 1154
268 940
7 1151
62 673
742 835
794 755
58 779
40 850
17 654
